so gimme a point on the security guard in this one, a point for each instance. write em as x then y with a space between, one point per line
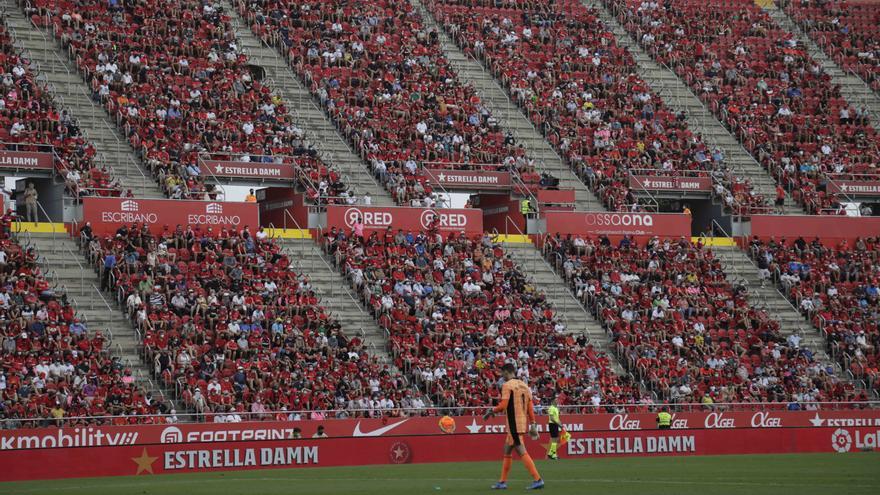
525 207
554 426
664 419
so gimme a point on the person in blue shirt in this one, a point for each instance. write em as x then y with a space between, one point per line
109 264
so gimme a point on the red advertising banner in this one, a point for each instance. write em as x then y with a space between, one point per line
191 433
468 179
618 223
678 184
555 196
268 454
830 229
854 187
468 220
247 170
26 159
108 214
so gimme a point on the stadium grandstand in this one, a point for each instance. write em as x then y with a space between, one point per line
325 219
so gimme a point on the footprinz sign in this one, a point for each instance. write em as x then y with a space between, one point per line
108 214
209 433
618 223
468 179
468 220
677 184
247 170
156 459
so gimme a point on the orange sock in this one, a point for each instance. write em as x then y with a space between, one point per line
505 467
530 465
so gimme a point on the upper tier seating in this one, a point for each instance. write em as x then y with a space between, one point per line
383 79
31 121
179 87
580 88
761 83
848 32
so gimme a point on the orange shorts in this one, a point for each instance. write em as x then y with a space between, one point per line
513 442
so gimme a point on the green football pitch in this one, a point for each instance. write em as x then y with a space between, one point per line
772 474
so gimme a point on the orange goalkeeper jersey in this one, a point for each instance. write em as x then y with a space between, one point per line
516 402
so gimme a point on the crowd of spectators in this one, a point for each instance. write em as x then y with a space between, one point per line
54 368
847 31
226 320
381 76
564 68
31 121
836 288
458 308
762 84
178 84
691 335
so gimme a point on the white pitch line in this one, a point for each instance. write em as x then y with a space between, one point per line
151 481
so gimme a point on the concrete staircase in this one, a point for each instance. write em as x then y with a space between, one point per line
59 255
50 61
510 117
576 318
852 87
336 295
306 112
678 96
740 269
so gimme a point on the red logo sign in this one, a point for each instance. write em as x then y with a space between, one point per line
679 184
26 159
468 179
854 187
249 170
154 459
618 223
108 214
469 221
400 453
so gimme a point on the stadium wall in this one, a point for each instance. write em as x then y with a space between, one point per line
161 449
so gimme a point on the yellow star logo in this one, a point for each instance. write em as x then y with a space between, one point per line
144 462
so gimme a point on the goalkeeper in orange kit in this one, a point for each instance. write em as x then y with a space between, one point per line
516 403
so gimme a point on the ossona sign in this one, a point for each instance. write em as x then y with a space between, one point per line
589 223
108 214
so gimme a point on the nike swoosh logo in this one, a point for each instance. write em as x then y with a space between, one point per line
377 432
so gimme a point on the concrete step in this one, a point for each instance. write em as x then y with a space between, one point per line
678 96
336 296
304 109
510 116
852 87
576 318
53 66
740 269
96 310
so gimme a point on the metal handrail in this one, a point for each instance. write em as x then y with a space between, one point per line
479 410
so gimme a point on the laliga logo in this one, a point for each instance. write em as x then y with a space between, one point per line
717 420
841 441
214 208
622 422
172 434
619 219
130 205
764 420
